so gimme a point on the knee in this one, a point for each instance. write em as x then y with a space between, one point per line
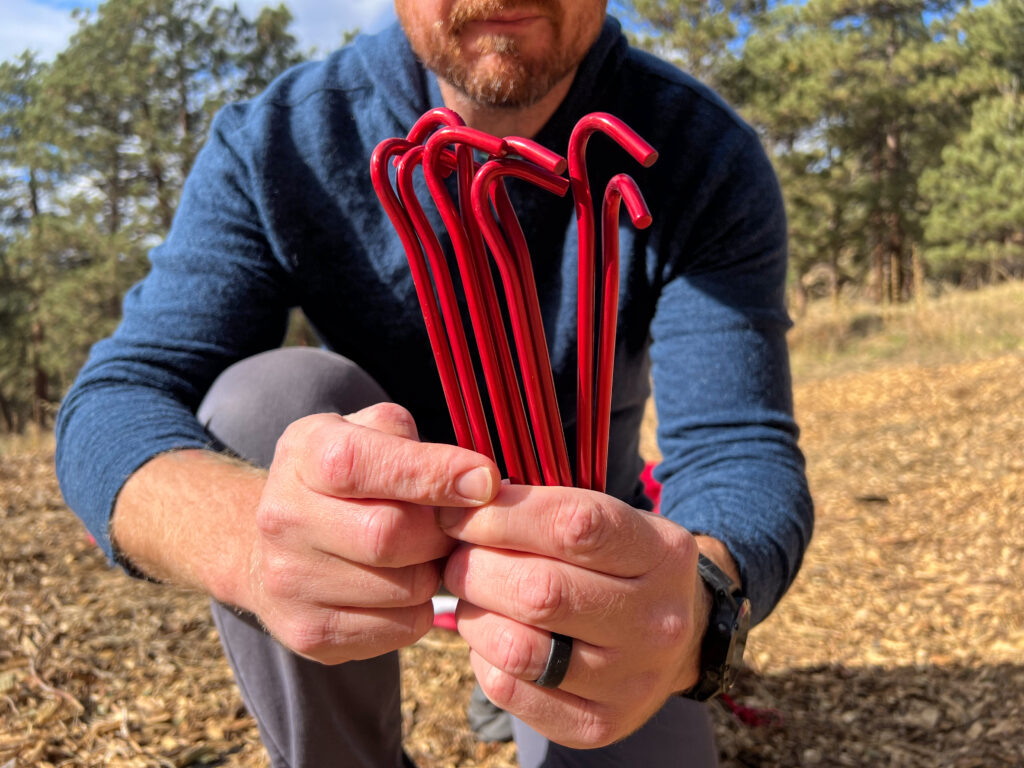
252 402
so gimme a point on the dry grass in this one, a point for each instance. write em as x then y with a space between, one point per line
956 326
901 643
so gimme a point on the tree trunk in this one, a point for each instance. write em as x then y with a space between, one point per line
894 278
880 286
163 202
893 166
835 244
184 117
5 411
33 196
918 269
156 171
40 381
894 234
114 203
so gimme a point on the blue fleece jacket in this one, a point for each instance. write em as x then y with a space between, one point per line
279 212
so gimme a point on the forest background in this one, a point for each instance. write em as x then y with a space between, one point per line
896 128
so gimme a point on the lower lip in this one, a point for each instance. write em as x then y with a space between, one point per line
501 26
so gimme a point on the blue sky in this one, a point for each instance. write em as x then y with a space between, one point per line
45 25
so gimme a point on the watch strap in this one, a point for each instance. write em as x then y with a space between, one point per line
725 636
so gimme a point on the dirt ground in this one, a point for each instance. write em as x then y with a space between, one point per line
901 643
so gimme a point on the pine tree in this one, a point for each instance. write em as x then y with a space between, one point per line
137 88
855 99
975 225
25 164
29 173
94 150
699 36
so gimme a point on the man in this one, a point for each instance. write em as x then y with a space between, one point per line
337 549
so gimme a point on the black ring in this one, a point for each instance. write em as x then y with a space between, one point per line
558 662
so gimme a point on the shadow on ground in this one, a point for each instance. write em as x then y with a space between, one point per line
955 716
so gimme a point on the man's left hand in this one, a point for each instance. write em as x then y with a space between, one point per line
621 582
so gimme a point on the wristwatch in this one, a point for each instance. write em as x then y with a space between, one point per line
725 637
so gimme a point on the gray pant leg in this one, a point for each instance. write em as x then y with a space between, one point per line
308 714
679 736
252 402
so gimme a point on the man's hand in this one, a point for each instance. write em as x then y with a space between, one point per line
348 550
336 549
621 582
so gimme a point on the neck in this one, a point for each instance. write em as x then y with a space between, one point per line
499 121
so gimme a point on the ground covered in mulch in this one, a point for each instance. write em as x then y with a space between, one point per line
901 643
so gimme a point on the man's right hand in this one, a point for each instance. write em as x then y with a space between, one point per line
348 550
337 549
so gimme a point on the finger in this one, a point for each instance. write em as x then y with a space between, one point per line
586 528
522 651
338 457
555 596
377 533
562 717
330 582
332 636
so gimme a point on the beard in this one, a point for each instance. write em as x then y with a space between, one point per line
496 72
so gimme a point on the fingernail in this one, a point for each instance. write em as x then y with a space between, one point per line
475 485
449 516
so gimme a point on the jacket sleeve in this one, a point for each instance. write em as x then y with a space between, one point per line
722 387
215 294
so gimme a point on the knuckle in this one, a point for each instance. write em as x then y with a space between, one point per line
580 527
305 637
273 519
381 537
675 629
540 594
668 631
341 461
598 729
278 574
499 687
509 653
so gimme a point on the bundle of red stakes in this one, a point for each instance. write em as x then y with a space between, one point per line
483 222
